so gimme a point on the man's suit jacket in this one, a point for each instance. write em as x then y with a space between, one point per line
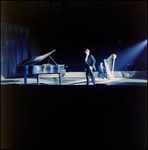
100 69
90 62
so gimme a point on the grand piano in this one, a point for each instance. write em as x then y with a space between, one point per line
33 66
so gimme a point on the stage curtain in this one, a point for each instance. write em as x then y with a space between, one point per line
16 46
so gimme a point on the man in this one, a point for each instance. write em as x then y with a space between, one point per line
102 71
89 66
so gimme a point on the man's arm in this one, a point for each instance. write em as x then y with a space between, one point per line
85 65
93 61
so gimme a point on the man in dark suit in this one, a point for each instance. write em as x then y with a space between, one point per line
89 66
102 71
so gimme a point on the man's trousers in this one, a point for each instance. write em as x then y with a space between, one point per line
89 73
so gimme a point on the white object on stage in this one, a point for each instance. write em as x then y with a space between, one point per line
109 65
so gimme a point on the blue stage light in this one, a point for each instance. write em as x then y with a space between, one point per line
129 55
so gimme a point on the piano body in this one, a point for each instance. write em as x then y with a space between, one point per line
32 66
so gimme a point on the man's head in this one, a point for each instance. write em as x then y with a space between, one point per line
101 63
87 51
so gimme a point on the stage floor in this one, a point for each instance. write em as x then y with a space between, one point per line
77 81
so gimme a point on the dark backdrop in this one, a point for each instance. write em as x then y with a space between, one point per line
104 32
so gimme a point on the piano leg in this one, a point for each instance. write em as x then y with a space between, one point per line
59 78
37 77
25 79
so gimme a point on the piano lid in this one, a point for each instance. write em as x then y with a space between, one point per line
35 59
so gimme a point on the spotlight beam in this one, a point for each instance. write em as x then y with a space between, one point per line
130 54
